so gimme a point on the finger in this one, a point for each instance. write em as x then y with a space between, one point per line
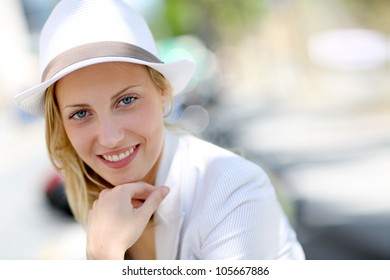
139 190
153 201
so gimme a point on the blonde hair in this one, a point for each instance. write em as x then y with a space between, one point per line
82 184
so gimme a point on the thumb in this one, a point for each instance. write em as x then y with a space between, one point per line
153 201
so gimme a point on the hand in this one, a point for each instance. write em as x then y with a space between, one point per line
118 218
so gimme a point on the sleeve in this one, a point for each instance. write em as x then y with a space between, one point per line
240 216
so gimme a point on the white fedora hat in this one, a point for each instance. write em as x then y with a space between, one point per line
79 33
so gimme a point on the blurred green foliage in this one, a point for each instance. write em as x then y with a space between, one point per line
224 20
211 20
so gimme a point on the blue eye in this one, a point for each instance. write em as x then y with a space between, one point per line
79 115
126 101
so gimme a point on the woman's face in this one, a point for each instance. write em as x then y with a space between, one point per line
113 116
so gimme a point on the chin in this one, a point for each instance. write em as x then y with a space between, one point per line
121 181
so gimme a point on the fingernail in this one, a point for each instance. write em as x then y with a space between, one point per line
164 191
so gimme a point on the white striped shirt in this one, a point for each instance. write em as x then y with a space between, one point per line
221 206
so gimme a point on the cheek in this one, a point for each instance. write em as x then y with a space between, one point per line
80 140
149 119
148 123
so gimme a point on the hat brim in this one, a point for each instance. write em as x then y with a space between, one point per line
178 73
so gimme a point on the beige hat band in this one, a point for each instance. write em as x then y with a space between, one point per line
95 50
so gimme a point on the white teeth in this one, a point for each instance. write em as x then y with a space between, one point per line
119 157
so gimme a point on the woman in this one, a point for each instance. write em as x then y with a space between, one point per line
142 190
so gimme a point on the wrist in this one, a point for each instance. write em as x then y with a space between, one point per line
109 253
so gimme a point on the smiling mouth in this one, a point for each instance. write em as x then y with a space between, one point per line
120 156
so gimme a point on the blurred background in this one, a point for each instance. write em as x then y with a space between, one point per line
301 87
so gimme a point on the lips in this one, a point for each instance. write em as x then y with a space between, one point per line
120 158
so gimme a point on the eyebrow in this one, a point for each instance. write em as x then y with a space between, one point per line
112 98
123 91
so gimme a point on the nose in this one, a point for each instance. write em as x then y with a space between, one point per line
110 132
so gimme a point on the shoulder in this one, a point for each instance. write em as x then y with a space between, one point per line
222 167
222 175
214 159
236 171
232 203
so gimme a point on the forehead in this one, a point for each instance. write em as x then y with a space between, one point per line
117 68
98 80
109 73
